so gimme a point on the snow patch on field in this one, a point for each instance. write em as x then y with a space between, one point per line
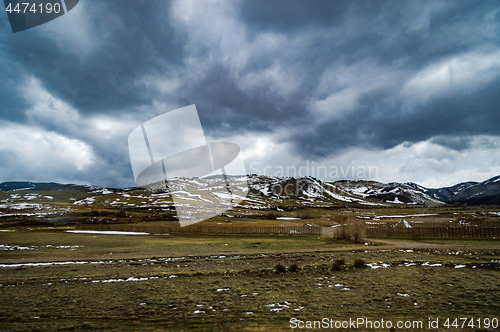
277 307
37 214
408 215
24 206
52 263
190 196
376 266
432 265
106 232
9 247
85 201
124 280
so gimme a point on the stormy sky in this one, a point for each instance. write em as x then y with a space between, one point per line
410 89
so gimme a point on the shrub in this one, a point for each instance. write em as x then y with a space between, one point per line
336 266
293 267
354 232
282 207
280 268
357 232
271 215
359 263
121 213
341 232
340 261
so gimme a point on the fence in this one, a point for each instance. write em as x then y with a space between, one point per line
433 229
423 229
204 229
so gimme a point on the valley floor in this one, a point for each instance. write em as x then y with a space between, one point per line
55 281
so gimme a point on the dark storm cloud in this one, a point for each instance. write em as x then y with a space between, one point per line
133 39
325 75
403 37
458 115
220 101
395 36
386 29
286 16
456 143
141 40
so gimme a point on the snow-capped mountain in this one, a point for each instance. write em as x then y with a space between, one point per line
472 193
395 193
353 193
306 189
266 191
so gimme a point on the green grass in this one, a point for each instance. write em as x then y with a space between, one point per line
460 241
444 241
244 264
98 246
247 284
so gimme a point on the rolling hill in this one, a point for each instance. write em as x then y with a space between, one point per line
265 191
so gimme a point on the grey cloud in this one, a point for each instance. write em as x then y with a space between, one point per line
286 16
457 143
453 116
390 36
296 55
133 39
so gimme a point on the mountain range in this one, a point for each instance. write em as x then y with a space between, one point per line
308 190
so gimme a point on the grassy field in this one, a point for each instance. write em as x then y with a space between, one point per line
228 283
51 280
57 245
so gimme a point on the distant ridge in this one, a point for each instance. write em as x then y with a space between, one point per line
471 193
18 185
359 192
15 185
